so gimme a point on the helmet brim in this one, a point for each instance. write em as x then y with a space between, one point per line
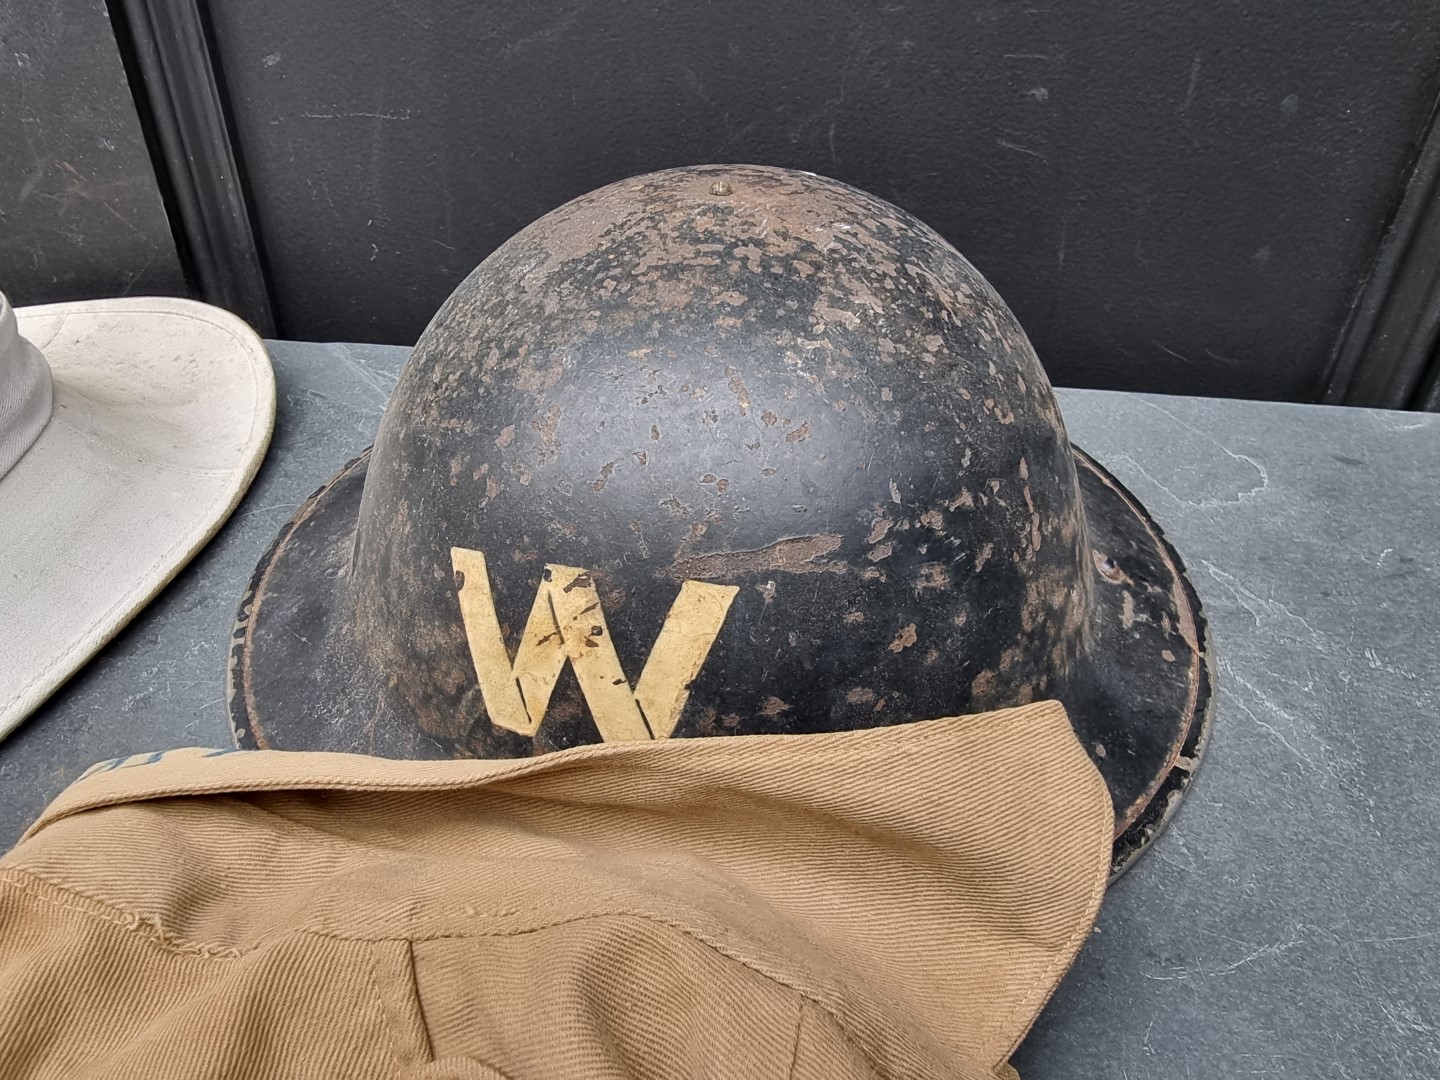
1140 701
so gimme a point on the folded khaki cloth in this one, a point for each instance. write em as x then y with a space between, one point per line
891 902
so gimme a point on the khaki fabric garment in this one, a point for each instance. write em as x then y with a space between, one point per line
894 902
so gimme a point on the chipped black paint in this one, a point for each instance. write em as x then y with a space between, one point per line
749 377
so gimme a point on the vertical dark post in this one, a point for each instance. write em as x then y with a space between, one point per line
1386 354
173 77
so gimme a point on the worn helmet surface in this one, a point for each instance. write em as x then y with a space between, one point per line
723 450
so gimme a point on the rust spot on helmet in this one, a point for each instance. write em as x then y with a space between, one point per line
904 639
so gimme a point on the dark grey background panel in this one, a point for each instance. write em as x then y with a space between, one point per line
80 215
1172 196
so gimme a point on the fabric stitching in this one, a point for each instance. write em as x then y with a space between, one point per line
150 929
414 989
392 1036
223 784
147 926
795 1047
645 916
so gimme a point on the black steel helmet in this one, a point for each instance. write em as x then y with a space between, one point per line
723 450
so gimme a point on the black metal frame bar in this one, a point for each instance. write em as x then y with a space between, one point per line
1386 354
166 50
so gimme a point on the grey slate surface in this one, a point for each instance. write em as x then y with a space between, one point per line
1286 925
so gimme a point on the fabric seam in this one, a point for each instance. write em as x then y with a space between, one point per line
650 917
795 1046
519 767
37 885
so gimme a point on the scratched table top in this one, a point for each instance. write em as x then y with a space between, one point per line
1287 923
